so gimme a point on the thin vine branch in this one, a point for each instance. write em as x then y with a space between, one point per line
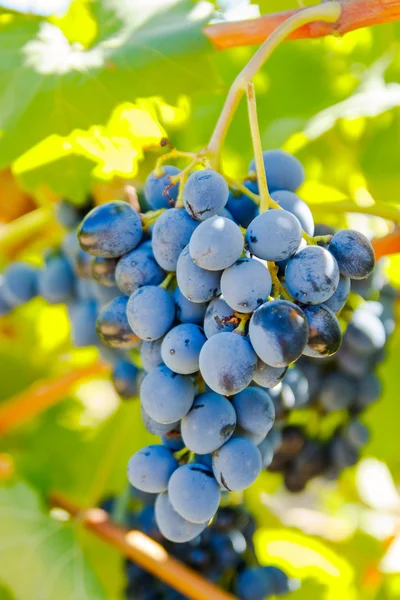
43 395
356 14
145 552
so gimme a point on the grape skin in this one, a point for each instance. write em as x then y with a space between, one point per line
83 316
227 363
103 270
150 354
154 427
353 252
172 526
274 235
339 298
324 333
312 275
172 232
181 347
110 230
237 464
254 409
151 312
195 283
194 493
256 438
165 396
242 207
284 171
112 325
205 194
20 283
253 584
295 205
278 332
338 391
209 424
365 333
125 379
268 376
136 269
246 285
150 469
188 311
155 188
216 244
266 448
219 317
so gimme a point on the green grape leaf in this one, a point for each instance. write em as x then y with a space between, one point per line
50 86
40 556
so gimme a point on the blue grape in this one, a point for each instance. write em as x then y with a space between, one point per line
284 171
166 397
369 390
312 275
354 364
136 269
68 214
356 433
151 312
281 582
216 244
278 332
365 333
337 392
194 493
227 363
275 438
56 281
295 205
5 307
256 438
83 316
339 298
268 376
296 382
188 311
324 333
209 424
242 208
125 379
246 285
173 441
172 526
150 469
103 294
224 212
172 232
274 235
205 193
113 328
110 230
154 427
103 270
195 283
181 347
237 464
158 190
219 317
150 354
254 584
20 283
254 409
353 252
266 448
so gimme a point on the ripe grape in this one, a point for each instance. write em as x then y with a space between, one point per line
20 283
56 281
237 464
274 235
181 347
83 316
278 332
158 190
254 584
284 171
219 317
227 363
337 392
365 333
194 493
166 397
110 230
172 232
136 269
266 448
312 275
295 205
205 194
353 252
195 283
209 424
254 409
241 206
150 468
154 427
150 354
268 376
151 312
216 244
103 270
324 333
246 285
112 325
125 379
172 526
339 298
188 311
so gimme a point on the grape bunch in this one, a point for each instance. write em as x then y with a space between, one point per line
224 298
224 554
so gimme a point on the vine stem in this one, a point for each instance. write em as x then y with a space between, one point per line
145 552
326 12
43 395
356 14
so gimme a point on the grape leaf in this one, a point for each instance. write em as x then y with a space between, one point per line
52 86
43 8
40 557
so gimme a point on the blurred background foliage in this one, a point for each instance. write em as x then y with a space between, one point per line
87 90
